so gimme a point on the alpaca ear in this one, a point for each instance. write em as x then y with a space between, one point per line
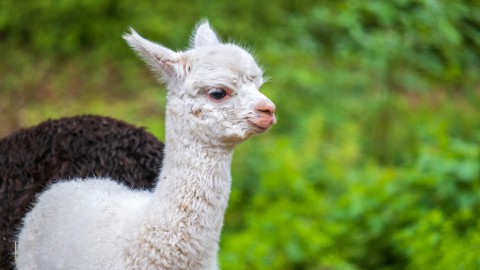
204 35
163 61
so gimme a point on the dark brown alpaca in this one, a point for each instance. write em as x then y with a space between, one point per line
82 146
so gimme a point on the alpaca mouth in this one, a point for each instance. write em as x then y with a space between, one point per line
262 124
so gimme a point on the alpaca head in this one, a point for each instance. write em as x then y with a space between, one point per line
212 87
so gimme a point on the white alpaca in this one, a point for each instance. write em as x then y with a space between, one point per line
213 104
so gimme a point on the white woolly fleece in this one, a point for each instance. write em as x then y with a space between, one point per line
99 224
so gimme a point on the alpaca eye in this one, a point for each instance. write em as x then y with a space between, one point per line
217 93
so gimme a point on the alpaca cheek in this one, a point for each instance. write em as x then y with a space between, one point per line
197 113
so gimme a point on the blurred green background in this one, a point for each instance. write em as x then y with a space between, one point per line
375 160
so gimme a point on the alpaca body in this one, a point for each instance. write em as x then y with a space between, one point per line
97 202
213 104
72 147
125 229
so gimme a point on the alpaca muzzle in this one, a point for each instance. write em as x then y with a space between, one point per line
266 115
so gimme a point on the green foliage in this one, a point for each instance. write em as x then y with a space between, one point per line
375 160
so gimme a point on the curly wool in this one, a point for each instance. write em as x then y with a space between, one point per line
81 146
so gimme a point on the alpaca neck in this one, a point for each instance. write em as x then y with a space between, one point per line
194 166
200 173
186 214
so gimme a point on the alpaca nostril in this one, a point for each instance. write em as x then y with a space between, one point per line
266 107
